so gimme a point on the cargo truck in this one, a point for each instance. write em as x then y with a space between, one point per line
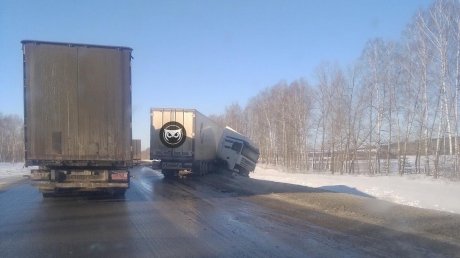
137 149
185 139
77 116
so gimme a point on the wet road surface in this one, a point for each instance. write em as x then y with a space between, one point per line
216 216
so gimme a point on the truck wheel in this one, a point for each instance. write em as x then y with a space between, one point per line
204 168
47 195
244 172
119 193
169 173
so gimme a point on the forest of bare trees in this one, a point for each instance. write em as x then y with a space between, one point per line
11 138
395 110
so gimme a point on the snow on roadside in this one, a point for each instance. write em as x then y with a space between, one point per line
418 191
12 172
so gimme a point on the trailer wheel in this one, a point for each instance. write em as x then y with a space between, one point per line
208 167
204 168
119 193
47 194
168 173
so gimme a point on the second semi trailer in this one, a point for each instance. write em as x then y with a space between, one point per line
185 139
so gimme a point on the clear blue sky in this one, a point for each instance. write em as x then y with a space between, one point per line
200 54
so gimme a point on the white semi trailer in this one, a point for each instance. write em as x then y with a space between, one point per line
185 139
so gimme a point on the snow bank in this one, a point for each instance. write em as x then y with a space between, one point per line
13 170
418 191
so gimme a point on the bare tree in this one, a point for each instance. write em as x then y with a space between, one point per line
11 139
400 100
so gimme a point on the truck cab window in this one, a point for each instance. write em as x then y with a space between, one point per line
237 146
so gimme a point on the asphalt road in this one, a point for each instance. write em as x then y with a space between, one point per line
218 216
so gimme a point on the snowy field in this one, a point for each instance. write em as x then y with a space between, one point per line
8 170
12 172
415 190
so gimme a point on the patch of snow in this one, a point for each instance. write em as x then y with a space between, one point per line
413 190
13 170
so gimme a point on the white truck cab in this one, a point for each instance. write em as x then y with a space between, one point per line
238 151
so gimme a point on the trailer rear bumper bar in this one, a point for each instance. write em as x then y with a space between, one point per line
86 186
176 165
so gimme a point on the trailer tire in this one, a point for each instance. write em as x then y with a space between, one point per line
168 173
202 168
119 193
205 168
47 195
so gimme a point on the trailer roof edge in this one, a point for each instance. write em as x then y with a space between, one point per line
38 42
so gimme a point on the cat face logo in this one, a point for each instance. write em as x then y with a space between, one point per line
173 134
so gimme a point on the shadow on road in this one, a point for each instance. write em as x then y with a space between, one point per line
243 186
227 185
345 189
90 196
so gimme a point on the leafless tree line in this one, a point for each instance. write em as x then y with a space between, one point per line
11 138
395 110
